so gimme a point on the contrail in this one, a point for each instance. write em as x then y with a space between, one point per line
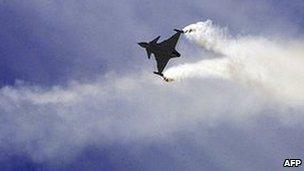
271 66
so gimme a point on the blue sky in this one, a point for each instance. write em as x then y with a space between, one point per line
39 38
77 93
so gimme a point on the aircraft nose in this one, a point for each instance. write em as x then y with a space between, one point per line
142 44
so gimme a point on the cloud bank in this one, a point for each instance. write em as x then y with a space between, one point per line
48 123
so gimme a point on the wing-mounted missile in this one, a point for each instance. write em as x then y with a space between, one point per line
179 31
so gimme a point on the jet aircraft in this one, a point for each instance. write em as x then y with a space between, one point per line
162 51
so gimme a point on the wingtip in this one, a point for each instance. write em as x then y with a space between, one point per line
158 73
179 31
168 79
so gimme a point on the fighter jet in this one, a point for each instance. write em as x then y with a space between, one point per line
163 52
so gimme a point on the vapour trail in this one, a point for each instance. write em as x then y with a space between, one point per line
255 62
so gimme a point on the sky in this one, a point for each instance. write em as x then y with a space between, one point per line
78 93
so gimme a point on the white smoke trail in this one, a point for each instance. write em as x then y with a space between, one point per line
271 66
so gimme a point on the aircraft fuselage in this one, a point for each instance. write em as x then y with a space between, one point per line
159 50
